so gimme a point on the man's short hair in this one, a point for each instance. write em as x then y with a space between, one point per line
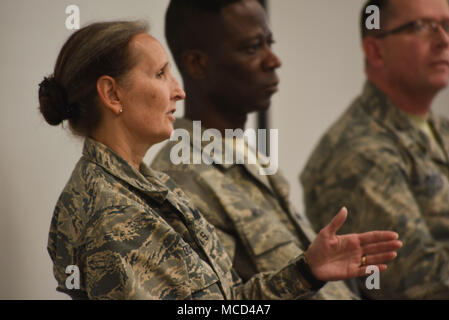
185 20
385 9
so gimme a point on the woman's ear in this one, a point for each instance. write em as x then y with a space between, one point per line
195 63
107 89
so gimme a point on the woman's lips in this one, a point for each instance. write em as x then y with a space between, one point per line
171 114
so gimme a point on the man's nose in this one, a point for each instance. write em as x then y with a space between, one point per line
271 61
442 37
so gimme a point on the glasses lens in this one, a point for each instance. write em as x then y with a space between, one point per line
420 25
445 26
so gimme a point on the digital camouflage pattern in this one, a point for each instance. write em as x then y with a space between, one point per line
252 214
386 172
134 235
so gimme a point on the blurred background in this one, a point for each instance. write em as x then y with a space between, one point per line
322 72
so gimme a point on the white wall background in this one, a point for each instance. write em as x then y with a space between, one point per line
322 72
37 159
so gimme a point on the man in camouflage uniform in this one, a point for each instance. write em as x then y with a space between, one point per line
386 158
228 72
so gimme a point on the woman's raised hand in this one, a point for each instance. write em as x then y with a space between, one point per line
332 257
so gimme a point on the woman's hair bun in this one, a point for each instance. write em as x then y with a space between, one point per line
53 101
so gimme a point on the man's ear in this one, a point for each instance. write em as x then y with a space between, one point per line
107 89
373 52
195 63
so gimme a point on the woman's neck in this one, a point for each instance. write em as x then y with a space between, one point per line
123 143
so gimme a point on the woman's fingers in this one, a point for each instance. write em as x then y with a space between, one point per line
380 247
337 221
380 258
377 236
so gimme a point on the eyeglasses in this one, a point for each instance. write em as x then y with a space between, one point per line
421 27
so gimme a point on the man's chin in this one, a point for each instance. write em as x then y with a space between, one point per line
441 84
261 106
440 81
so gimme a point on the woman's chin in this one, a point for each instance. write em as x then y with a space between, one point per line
167 134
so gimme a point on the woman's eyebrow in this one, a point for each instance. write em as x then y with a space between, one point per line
167 63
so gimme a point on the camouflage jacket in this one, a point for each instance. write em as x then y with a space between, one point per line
252 214
374 161
133 235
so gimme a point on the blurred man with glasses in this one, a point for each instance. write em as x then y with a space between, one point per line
387 157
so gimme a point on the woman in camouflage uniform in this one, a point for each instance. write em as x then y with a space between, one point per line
130 231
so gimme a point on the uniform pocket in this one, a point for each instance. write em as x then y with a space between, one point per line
271 243
264 233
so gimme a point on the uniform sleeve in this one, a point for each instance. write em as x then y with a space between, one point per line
373 183
284 284
129 255
281 284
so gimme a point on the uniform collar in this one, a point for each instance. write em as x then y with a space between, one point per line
387 114
144 180
198 147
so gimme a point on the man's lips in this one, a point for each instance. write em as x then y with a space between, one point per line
272 87
440 63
